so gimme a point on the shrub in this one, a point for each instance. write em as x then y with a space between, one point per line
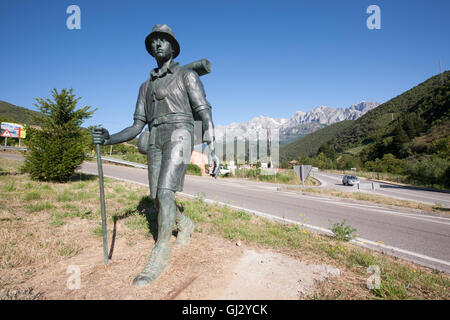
433 171
193 169
342 231
60 145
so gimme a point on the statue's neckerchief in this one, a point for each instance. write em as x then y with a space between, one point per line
161 72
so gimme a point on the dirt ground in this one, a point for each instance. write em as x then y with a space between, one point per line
50 259
207 268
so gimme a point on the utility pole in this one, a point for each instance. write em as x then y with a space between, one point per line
268 147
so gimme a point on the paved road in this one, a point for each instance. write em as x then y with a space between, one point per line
423 238
11 156
334 181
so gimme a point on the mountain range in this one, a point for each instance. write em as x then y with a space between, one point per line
301 123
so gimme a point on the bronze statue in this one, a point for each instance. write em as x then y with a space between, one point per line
168 102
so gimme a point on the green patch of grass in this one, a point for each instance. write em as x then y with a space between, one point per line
119 189
110 195
33 195
70 206
59 216
65 196
132 196
241 215
356 150
98 231
66 250
84 195
9 187
196 209
137 222
39 207
29 185
79 185
57 222
361 258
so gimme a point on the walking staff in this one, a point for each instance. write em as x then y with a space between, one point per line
102 203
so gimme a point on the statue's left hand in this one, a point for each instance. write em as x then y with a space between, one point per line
214 163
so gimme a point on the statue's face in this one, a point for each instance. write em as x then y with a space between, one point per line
161 47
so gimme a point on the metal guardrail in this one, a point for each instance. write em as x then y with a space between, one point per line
127 163
369 186
13 148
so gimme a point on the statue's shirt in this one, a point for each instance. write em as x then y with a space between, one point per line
170 93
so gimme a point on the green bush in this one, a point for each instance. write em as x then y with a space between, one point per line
59 146
432 171
389 163
342 231
193 169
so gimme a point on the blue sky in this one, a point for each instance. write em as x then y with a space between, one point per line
269 58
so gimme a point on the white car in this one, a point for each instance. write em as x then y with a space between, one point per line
350 180
223 170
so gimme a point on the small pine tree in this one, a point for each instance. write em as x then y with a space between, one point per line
59 146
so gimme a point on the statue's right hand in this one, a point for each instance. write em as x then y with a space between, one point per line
100 135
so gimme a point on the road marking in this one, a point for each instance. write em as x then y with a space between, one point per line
414 254
370 208
406 215
402 193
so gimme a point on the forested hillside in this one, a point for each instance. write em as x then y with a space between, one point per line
310 144
409 135
417 110
16 114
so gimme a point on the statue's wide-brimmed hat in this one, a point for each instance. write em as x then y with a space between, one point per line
162 29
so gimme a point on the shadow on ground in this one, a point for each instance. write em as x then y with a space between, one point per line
148 208
80 176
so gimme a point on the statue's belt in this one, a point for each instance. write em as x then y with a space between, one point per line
149 137
172 118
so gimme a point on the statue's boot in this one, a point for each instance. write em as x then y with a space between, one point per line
158 261
185 227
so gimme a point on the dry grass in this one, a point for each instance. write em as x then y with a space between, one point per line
61 221
35 229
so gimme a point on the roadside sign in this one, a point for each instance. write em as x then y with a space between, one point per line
6 134
15 130
303 172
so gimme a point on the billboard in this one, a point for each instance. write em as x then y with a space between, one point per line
12 130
